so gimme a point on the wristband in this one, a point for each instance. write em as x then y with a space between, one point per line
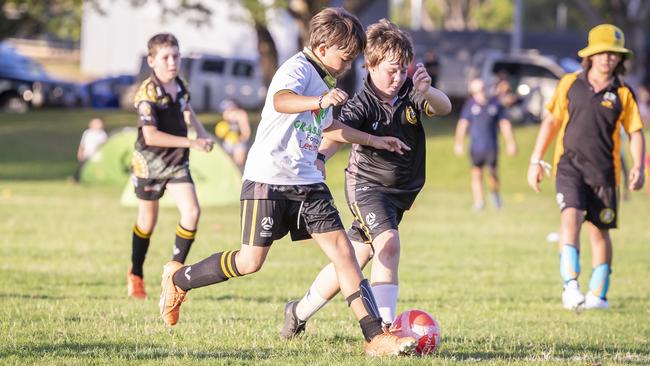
546 166
320 102
321 157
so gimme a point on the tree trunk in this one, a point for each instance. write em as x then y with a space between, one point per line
268 52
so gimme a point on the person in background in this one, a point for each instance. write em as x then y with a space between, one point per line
482 117
234 131
91 140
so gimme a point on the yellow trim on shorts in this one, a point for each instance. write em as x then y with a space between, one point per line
356 211
253 218
243 220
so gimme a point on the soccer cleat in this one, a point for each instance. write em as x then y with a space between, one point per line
595 302
293 326
572 298
135 286
387 344
171 297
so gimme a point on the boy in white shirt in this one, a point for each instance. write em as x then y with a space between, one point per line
283 190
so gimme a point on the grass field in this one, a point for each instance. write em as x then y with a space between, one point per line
490 278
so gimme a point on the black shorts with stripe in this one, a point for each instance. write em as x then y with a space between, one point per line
600 203
374 212
153 189
484 158
270 212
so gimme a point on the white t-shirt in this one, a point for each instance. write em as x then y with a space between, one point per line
91 140
286 145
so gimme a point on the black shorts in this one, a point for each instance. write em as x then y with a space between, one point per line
374 212
149 189
269 212
483 158
599 202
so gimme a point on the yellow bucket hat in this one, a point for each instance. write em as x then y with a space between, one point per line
604 38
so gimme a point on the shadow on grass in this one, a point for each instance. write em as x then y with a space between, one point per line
134 351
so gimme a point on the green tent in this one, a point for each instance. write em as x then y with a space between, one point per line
217 178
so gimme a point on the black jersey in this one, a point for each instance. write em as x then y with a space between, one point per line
401 176
157 108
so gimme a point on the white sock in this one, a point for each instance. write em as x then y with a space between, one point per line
386 297
310 304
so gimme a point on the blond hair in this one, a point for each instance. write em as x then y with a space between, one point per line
337 27
387 42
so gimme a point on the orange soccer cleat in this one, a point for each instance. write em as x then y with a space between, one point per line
135 286
171 297
387 344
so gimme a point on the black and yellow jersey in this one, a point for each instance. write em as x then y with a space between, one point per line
589 125
157 108
402 176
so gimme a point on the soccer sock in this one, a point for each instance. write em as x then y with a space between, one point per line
216 268
184 240
386 296
139 247
599 282
310 304
496 199
370 327
569 263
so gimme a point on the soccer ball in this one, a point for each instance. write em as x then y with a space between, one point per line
419 325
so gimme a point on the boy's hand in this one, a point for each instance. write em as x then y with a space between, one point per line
200 144
535 176
320 165
421 79
635 179
511 149
335 97
459 150
392 144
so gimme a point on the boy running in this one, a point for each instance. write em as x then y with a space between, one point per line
284 192
587 112
380 186
161 156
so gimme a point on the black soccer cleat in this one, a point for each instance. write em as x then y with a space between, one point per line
293 326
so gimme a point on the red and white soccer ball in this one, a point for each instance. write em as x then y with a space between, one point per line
419 325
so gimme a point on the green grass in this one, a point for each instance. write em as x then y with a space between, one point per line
490 278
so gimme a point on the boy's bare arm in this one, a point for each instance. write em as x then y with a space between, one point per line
637 149
289 102
340 132
461 130
506 130
438 101
191 119
154 137
547 130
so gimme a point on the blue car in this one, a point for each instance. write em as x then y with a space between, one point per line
106 92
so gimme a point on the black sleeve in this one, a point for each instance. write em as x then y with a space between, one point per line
354 113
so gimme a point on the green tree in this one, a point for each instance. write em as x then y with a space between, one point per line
30 18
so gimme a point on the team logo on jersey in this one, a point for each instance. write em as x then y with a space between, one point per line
411 117
475 110
492 110
560 200
608 100
607 215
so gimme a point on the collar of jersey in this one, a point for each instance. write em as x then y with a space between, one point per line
161 92
613 85
403 92
329 80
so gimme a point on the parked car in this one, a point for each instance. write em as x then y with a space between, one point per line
212 79
106 92
24 83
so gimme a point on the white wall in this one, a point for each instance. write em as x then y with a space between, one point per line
114 43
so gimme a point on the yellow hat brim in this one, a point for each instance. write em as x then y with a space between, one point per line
598 48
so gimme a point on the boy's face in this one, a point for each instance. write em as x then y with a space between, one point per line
605 62
165 63
335 60
387 77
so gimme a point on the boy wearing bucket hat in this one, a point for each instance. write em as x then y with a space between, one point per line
587 111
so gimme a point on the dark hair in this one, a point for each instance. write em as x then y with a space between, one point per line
618 70
160 40
337 27
387 42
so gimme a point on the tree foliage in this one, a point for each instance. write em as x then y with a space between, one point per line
30 18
